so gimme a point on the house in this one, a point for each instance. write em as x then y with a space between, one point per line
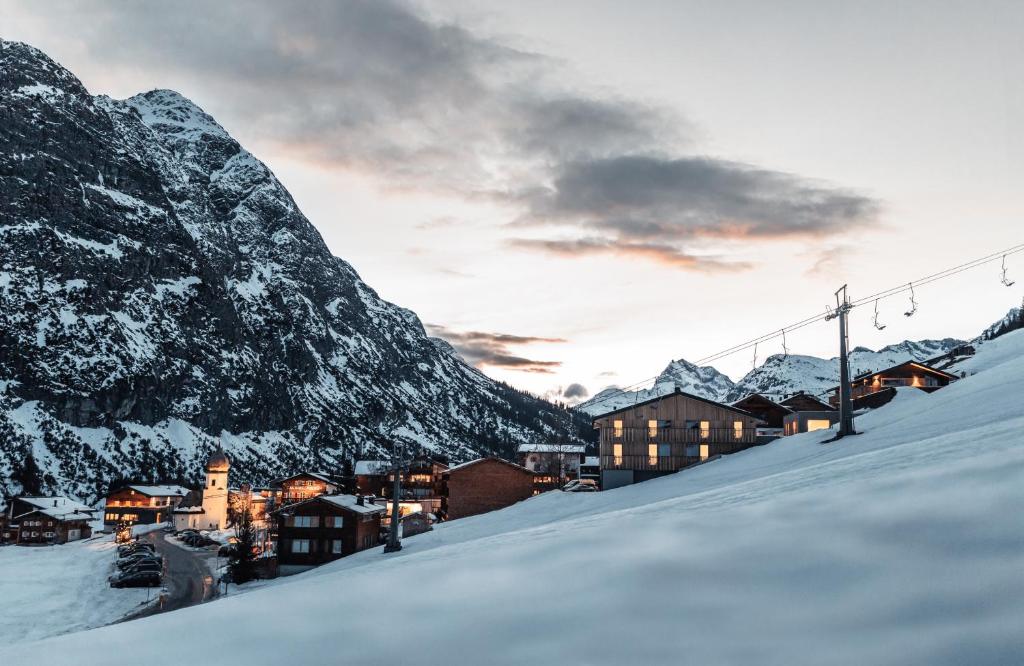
142 504
415 523
805 402
324 528
553 464
371 476
45 520
809 421
208 510
770 415
590 468
304 485
483 485
909 373
666 434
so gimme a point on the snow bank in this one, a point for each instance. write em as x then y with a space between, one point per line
902 545
52 590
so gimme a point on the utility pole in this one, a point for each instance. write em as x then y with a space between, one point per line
843 308
394 544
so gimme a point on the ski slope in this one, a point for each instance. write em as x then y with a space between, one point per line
903 545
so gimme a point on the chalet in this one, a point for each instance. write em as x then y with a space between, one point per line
371 476
421 479
807 414
805 402
483 485
32 521
553 464
910 373
668 433
770 415
304 485
324 528
142 504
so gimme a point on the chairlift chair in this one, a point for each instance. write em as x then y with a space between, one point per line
913 302
880 327
1005 280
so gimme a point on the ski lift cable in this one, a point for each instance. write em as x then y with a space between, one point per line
878 296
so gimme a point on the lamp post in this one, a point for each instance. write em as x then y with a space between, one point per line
394 543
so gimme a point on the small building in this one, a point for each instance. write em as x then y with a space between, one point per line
305 485
35 521
554 464
590 468
666 434
483 485
415 523
910 373
770 415
805 402
798 422
323 529
142 504
207 509
371 476
421 479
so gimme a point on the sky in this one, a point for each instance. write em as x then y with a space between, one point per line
575 193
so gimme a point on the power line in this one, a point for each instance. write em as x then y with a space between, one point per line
881 295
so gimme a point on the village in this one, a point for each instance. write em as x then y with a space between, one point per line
310 518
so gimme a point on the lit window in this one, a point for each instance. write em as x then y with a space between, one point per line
705 429
652 454
652 428
617 454
617 427
704 451
737 429
300 545
818 424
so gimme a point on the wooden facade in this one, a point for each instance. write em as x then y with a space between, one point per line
483 485
37 521
303 486
769 413
666 434
910 374
142 504
323 529
805 402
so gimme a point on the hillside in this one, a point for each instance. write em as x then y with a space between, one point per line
909 533
162 292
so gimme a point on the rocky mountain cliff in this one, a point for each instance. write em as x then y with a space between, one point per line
160 292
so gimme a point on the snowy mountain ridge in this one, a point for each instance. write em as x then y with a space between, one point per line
162 294
779 376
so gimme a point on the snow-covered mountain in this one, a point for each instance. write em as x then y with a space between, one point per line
161 291
780 375
1013 320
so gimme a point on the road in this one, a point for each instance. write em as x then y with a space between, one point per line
186 576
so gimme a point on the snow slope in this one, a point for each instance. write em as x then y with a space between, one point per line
904 544
52 590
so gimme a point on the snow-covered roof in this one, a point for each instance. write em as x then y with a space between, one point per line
161 491
58 507
552 448
370 467
322 476
188 509
468 463
350 502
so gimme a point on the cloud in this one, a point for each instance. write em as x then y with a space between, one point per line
380 87
575 391
657 252
493 349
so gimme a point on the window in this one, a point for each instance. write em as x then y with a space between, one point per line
818 424
897 381
705 429
737 429
367 541
300 545
48 535
705 451
307 521
652 454
617 428
335 521
617 454
664 450
336 546
652 428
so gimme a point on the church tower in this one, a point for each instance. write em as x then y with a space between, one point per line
215 492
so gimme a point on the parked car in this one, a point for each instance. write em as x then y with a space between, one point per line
127 562
580 486
137 579
227 550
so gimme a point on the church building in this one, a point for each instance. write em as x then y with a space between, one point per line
212 513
